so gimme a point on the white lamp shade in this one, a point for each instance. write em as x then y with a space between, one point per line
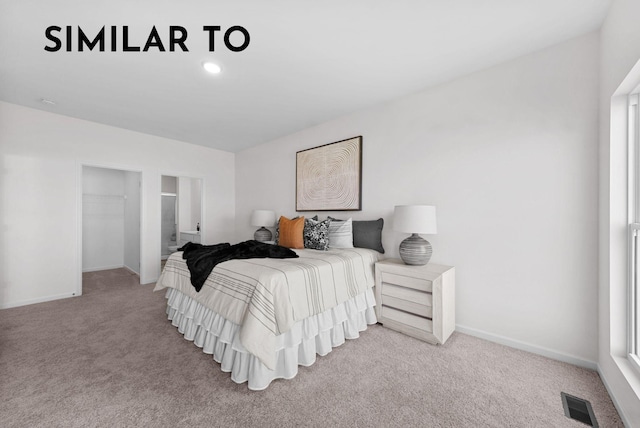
415 219
263 218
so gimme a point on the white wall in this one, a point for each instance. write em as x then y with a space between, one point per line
132 184
620 51
509 157
169 214
102 181
169 184
103 218
42 154
196 203
184 205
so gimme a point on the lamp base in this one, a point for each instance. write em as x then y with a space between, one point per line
415 250
263 234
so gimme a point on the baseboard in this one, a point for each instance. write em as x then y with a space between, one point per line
131 270
38 300
613 398
97 269
149 281
524 346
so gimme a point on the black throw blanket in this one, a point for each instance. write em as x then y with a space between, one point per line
201 259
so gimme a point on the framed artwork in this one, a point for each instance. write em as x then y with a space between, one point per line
329 177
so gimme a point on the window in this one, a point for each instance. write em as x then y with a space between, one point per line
633 326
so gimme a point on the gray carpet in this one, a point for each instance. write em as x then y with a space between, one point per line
111 358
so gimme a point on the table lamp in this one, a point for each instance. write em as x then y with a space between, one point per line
263 218
415 219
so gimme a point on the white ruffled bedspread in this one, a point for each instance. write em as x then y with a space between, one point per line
317 334
268 296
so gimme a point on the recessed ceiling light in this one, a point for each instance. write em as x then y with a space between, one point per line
212 68
47 102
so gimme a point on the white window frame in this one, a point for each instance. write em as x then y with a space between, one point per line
633 310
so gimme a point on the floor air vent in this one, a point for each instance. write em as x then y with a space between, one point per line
578 409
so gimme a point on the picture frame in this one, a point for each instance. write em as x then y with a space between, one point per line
329 177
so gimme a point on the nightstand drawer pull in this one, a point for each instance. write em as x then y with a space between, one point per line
407 281
409 294
407 318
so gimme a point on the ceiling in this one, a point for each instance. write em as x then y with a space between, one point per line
307 61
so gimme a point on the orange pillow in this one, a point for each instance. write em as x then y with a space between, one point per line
291 232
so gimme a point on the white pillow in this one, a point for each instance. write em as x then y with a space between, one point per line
340 234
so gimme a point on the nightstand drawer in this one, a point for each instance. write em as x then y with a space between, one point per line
408 306
407 281
407 318
408 294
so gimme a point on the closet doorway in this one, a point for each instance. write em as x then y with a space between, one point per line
111 212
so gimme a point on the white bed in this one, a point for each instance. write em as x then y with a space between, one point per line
262 318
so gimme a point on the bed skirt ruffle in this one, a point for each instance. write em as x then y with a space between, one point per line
317 334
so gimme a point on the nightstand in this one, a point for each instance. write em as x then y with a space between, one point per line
416 300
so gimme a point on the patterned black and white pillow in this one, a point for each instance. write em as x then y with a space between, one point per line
316 234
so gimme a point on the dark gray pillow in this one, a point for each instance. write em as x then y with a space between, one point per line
367 234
